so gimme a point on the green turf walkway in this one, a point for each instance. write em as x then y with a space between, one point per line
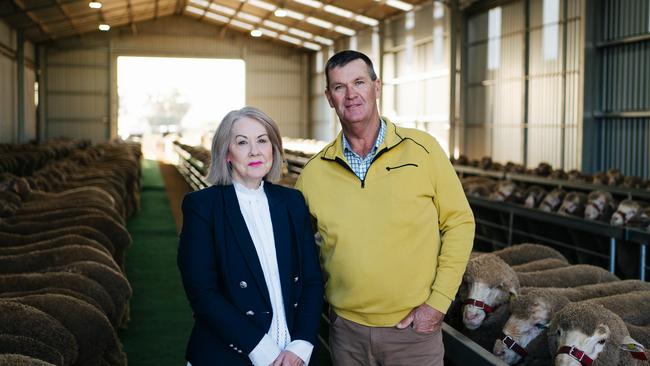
161 319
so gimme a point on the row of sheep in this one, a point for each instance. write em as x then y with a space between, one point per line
596 205
63 291
24 159
529 306
612 177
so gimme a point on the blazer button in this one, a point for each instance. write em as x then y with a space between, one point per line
250 313
243 284
231 345
295 279
295 305
239 351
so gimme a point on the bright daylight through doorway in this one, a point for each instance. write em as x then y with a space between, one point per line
163 99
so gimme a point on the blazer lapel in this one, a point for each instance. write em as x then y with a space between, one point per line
281 234
239 228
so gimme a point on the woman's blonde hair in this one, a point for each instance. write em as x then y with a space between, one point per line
219 173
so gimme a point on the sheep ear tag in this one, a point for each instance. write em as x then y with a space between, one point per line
635 349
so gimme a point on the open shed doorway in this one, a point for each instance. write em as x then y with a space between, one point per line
162 99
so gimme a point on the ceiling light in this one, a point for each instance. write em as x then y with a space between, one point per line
262 5
280 13
274 25
367 21
399 5
312 3
319 22
289 39
95 5
323 40
301 33
104 27
344 30
338 11
313 46
256 33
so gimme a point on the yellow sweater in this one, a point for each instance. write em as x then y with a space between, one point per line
399 238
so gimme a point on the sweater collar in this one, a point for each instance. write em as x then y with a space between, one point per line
335 149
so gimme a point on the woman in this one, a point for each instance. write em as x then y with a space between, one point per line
247 254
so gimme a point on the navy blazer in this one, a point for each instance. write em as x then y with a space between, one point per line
223 278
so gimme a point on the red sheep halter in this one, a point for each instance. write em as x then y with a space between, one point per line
577 354
513 345
479 304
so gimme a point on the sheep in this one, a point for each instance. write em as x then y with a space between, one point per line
489 282
27 321
590 330
90 327
26 346
574 175
33 261
52 243
532 311
70 281
552 200
56 211
534 196
627 211
14 239
614 177
527 252
54 290
600 206
21 360
573 204
541 264
506 191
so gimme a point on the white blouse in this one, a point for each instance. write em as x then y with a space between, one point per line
254 207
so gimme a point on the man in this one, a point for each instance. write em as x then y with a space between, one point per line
397 229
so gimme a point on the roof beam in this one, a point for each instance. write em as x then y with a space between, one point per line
68 17
223 30
207 8
33 18
155 12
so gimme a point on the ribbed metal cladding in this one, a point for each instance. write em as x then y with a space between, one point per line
623 143
622 123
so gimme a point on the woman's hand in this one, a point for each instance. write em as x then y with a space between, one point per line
287 358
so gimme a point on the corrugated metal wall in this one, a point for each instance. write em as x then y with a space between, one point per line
81 95
9 116
523 100
621 112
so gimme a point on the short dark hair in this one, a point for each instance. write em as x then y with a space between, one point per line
345 57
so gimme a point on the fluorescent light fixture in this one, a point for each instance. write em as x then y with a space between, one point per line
239 24
313 46
399 5
319 22
194 10
256 33
280 13
223 9
301 33
312 3
95 5
249 17
202 3
323 40
338 11
289 39
104 27
294 14
274 25
344 30
365 20
217 17
262 5
268 32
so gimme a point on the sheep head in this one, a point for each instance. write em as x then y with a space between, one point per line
625 212
490 281
589 329
504 190
573 204
600 204
552 200
530 316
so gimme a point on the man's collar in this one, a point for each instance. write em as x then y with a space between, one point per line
335 148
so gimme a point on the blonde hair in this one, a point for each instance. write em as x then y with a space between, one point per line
219 173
